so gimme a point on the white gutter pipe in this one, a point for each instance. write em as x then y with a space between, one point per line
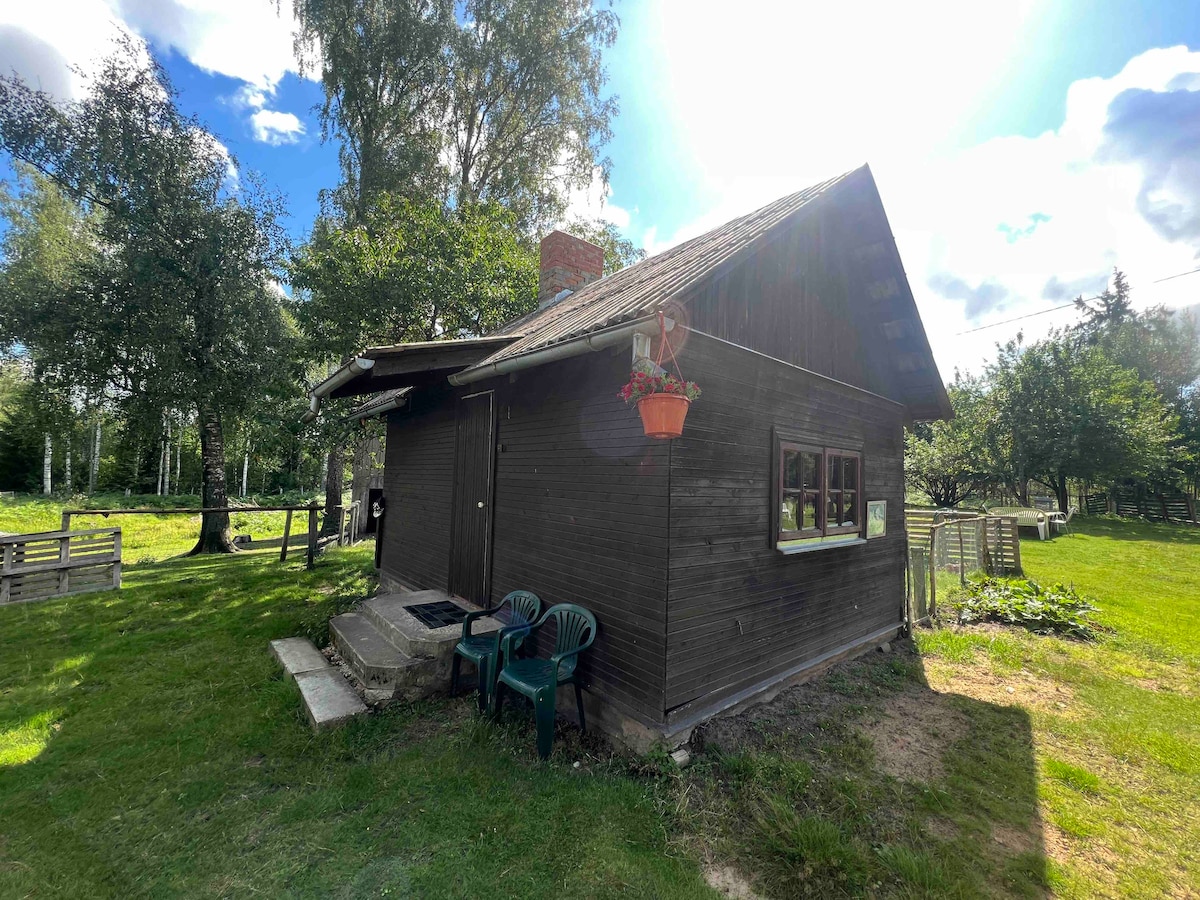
350 370
565 350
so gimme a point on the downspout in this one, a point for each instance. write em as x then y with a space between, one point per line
351 370
565 350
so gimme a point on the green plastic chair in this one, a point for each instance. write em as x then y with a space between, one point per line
539 679
484 649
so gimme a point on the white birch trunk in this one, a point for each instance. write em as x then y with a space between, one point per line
245 468
178 455
94 471
159 486
47 463
167 461
67 479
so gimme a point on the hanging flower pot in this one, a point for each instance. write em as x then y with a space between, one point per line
662 401
663 415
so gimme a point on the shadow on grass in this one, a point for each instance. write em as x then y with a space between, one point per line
868 781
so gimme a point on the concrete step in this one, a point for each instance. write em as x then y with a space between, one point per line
389 614
329 700
385 671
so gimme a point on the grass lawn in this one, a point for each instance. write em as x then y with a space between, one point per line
149 746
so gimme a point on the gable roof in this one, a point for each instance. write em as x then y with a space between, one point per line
645 287
604 310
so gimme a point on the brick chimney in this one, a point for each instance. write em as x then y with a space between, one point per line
568 263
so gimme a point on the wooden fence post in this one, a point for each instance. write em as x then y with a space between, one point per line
287 530
341 518
116 570
66 520
6 574
64 557
312 536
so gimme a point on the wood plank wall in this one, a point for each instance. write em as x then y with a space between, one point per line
579 511
581 516
738 611
417 479
790 301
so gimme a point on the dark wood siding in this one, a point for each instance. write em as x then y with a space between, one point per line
791 301
739 611
418 473
581 516
579 511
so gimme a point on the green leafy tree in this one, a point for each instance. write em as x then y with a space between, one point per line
412 272
619 251
528 115
1056 410
941 459
383 68
179 302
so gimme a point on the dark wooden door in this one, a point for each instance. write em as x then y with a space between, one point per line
471 516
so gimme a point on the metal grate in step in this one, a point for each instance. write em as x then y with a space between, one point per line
439 614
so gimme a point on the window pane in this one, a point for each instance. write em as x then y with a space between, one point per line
850 476
835 473
812 503
811 463
831 510
787 514
791 469
849 508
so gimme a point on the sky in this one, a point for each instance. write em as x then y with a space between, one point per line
1022 149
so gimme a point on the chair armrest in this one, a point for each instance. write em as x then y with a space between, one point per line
506 640
472 616
566 654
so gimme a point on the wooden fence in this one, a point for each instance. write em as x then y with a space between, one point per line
1134 503
311 509
54 563
955 543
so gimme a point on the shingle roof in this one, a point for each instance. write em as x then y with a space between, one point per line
645 287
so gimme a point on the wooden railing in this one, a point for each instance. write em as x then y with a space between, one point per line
54 563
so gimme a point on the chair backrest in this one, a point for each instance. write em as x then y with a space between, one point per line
525 606
575 628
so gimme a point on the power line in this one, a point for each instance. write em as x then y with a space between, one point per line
1040 312
1179 275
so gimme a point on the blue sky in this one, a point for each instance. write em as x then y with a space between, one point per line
1021 151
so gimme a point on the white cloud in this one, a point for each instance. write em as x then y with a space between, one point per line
249 40
988 231
275 128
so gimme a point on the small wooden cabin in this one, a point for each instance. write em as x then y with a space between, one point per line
724 563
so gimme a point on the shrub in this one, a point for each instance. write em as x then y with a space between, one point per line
1056 609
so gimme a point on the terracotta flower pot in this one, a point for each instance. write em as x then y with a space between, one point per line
663 415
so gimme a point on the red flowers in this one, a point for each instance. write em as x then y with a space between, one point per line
643 384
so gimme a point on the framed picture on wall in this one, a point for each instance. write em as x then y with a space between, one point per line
876 518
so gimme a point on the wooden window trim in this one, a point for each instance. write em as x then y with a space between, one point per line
836 535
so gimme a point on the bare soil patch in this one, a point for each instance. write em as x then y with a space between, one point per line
729 882
1021 688
911 732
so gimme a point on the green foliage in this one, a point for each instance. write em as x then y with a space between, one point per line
1073 776
382 65
941 459
411 271
527 113
1057 609
619 251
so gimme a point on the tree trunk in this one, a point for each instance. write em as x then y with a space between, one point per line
67 480
94 470
178 455
335 475
245 468
167 461
1064 500
214 527
162 452
47 465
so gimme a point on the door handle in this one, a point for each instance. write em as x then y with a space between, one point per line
480 504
